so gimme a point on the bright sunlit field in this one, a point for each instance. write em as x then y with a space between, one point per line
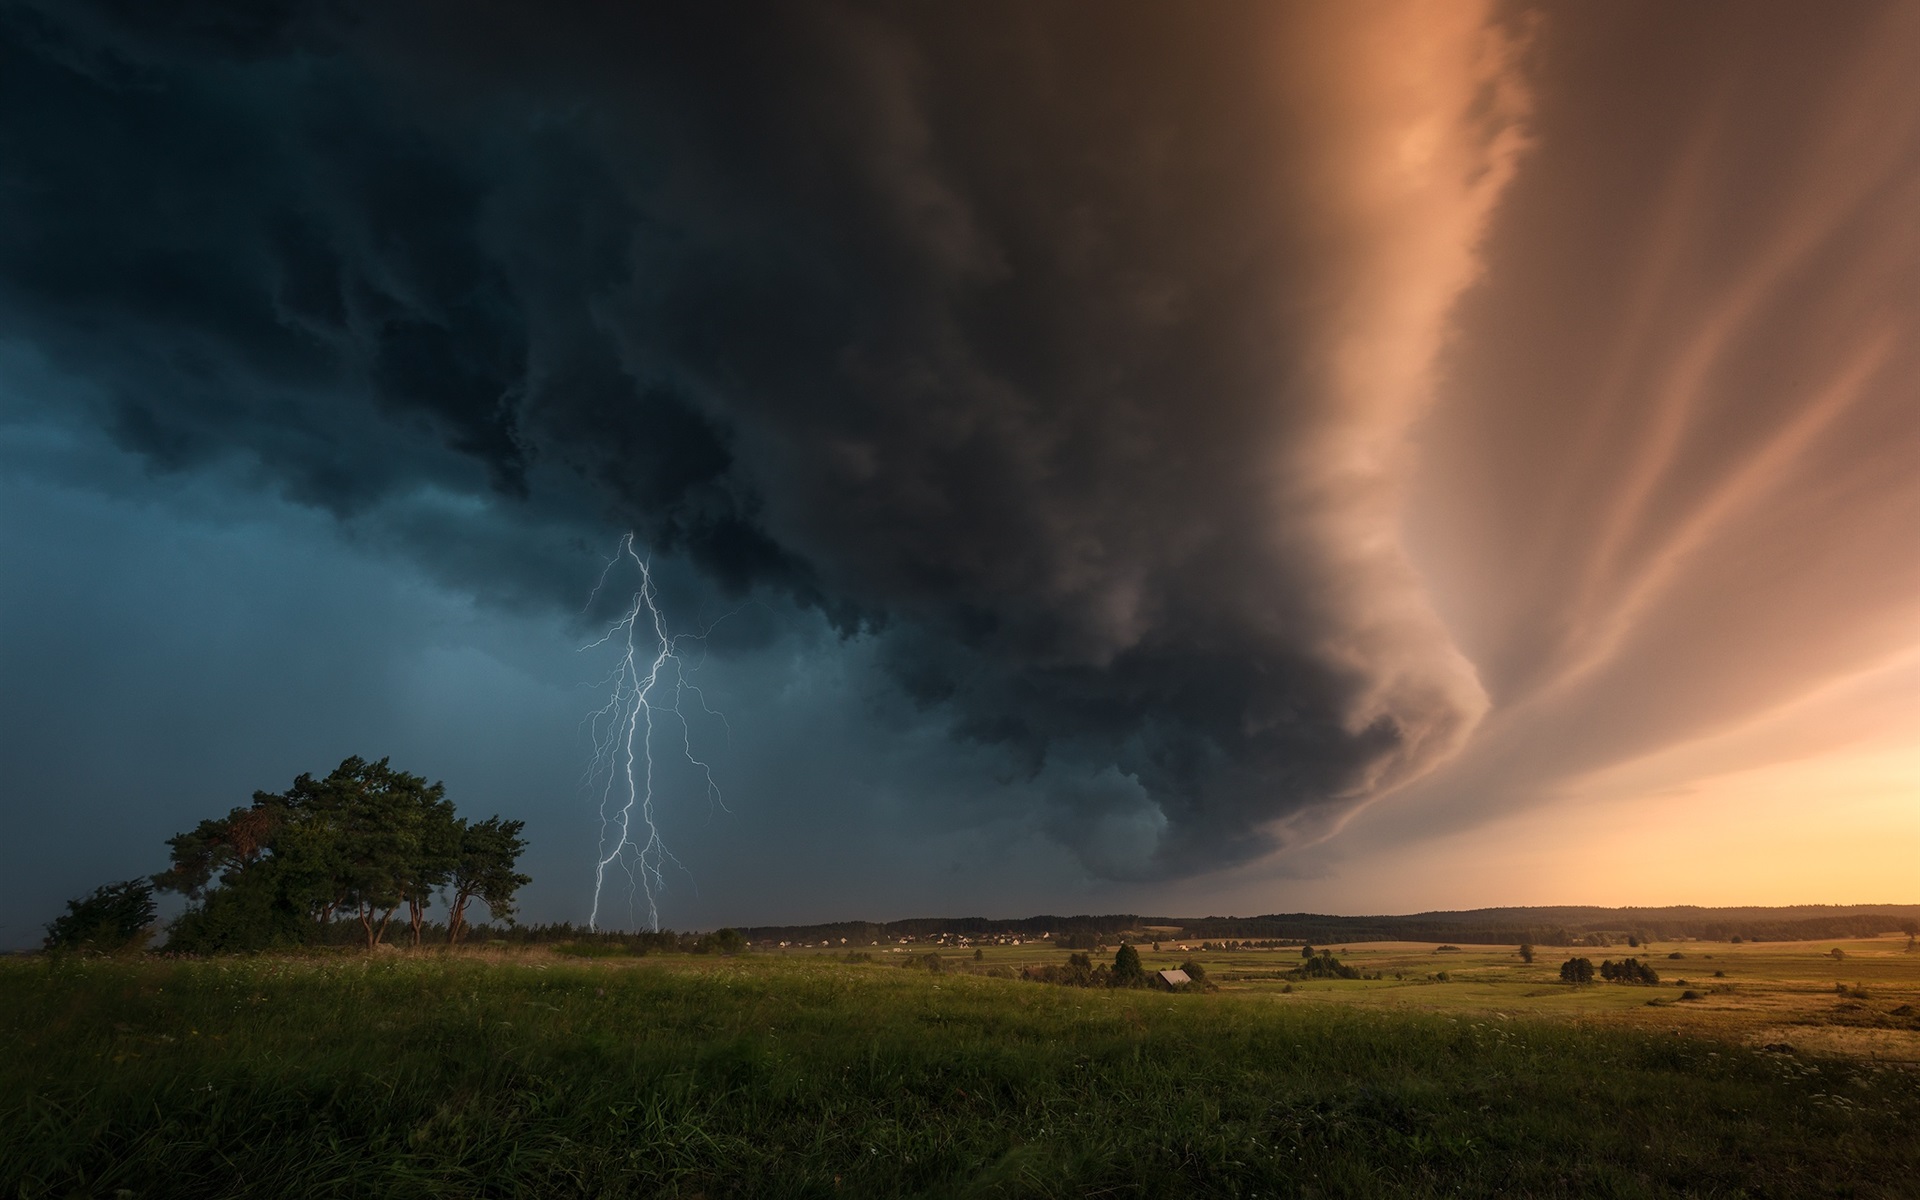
1755 992
807 1075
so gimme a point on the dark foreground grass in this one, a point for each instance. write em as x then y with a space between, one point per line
756 1078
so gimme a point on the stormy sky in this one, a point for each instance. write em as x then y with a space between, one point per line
1126 457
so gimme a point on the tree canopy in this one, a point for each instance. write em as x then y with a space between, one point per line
365 840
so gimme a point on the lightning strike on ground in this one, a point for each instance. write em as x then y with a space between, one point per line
622 769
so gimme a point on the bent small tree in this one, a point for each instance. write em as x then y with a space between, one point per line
114 917
483 870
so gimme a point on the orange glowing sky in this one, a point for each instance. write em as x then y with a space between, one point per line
1667 496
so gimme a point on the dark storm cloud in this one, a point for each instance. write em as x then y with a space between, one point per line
1046 343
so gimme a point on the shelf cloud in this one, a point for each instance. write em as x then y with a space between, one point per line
1071 354
1221 419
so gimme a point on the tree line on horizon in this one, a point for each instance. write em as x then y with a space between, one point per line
357 845
1491 927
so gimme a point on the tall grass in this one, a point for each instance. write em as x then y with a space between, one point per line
751 1077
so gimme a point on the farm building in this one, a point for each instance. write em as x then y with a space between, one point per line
1172 980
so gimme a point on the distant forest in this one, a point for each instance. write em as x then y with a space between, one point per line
1554 926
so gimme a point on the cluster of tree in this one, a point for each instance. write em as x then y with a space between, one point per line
361 843
1322 966
1629 970
1581 970
1107 929
585 942
1078 971
596 945
1126 972
118 916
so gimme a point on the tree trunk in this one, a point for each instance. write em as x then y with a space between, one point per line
366 923
385 919
457 920
416 913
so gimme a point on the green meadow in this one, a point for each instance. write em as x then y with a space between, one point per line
802 1074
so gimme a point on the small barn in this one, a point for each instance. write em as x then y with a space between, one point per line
1172 980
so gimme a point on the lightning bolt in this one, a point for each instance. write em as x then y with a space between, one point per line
650 659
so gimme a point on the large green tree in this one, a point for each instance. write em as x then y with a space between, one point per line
364 839
385 820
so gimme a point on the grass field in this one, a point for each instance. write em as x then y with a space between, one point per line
798 1074
1758 993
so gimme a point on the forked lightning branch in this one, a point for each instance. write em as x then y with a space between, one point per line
650 676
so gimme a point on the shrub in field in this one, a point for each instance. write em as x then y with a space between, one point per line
1576 970
251 911
593 950
1127 971
114 917
1526 952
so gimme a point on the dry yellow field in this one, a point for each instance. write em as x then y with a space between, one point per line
1760 993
